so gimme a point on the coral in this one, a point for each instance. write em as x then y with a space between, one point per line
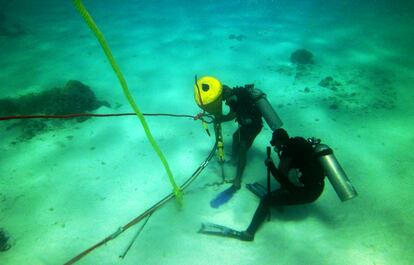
330 83
29 128
302 71
301 56
326 81
8 107
9 29
4 238
75 97
239 37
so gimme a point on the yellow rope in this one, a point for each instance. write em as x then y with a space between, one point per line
92 25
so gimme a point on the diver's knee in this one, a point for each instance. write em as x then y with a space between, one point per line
312 197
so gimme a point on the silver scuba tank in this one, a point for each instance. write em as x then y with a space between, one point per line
336 175
267 111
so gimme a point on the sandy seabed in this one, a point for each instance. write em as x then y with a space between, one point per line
68 188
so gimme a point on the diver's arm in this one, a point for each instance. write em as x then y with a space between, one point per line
228 117
281 173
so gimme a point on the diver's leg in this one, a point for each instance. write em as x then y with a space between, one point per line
241 164
278 197
247 134
235 146
259 216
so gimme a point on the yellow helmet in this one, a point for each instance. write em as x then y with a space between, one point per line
207 94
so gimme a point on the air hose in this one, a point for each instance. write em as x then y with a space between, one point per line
98 34
147 213
89 115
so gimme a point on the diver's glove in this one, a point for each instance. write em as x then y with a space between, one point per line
223 197
269 162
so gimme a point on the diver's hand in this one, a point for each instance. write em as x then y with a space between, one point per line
268 162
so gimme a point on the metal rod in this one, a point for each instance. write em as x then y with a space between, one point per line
135 237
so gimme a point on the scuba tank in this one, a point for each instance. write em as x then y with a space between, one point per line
267 111
336 175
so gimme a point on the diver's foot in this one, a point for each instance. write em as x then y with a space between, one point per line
246 236
236 185
220 230
223 197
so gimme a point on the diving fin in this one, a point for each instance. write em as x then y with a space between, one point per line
223 197
224 231
258 189
219 230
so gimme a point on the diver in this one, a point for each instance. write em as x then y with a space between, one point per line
241 102
296 155
242 108
247 105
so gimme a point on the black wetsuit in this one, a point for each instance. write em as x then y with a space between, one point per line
301 154
248 117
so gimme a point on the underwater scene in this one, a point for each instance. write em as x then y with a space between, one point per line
206 132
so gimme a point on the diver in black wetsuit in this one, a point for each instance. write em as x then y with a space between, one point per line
248 105
311 161
295 154
241 101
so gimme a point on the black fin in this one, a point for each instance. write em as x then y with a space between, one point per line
219 230
258 189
